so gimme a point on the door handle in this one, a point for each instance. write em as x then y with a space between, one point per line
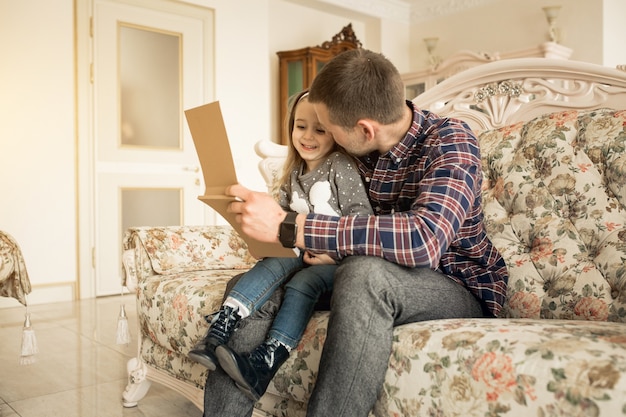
193 168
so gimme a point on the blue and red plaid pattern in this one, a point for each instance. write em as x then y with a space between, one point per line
426 193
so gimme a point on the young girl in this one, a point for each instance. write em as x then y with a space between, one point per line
318 178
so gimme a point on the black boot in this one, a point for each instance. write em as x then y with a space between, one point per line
218 334
253 372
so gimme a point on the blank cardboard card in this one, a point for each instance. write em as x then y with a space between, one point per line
216 160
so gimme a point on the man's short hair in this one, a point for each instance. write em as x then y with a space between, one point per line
359 84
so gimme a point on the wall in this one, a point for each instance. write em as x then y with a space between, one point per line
241 74
37 140
614 32
513 25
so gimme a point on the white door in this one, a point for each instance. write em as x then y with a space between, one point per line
150 64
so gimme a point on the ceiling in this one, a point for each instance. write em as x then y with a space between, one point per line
426 9
420 10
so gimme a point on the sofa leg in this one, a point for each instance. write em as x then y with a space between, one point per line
138 385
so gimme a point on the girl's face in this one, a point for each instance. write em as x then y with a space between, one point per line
309 137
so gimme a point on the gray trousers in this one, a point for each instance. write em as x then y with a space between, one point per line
370 297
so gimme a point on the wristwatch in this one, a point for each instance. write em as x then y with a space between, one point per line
288 230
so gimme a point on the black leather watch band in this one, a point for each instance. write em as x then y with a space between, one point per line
288 230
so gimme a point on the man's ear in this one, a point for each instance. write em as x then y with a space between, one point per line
367 128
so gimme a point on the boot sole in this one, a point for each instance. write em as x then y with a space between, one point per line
202 360
229 365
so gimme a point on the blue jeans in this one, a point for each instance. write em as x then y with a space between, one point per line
370 297
302 291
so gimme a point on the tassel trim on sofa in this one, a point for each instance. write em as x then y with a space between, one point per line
29 343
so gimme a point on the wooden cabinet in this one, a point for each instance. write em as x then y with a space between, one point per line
298 67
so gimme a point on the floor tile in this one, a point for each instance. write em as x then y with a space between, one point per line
104 400
7 411
79 370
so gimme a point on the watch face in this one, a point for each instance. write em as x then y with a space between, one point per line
288 235
288 231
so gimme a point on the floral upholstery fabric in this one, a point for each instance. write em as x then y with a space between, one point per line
188 297
507 367
172 250
554 206
14 280
170 272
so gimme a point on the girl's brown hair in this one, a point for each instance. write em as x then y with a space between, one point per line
294 160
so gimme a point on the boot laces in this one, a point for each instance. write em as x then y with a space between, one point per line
266 352
226 322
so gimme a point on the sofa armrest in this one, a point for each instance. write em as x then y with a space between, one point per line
135 260
171 250
129 271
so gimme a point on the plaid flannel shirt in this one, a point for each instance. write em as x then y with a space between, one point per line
426 195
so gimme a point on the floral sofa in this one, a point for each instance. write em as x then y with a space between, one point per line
553 141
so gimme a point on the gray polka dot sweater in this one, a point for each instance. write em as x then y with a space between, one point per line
335 188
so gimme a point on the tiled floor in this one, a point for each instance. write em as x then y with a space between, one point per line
80 371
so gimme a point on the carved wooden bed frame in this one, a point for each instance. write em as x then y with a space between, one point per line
509 91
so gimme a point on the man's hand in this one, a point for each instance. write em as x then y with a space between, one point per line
258 213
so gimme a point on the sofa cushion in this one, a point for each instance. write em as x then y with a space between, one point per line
505 367
554 195
174 250
475 367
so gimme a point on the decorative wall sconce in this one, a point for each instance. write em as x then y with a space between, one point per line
552 12
431 44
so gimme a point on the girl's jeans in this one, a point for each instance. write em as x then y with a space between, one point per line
301 293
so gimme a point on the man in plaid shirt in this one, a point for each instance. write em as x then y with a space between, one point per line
423 255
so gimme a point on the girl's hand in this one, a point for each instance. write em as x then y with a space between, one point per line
318 259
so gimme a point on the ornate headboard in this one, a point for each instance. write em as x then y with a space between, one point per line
504 92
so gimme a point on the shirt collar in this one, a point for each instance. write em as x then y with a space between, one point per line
403 148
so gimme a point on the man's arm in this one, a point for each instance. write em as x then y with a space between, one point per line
419 216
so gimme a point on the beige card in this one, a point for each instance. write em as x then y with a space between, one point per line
209 136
